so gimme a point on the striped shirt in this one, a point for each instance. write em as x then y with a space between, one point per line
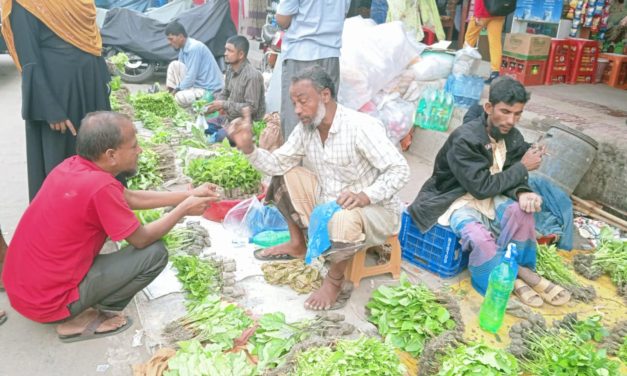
357 156
243 88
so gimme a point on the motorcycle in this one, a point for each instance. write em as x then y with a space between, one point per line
143 38
271 39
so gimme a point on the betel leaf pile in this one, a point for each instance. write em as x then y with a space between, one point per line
192 359
408 315
478 359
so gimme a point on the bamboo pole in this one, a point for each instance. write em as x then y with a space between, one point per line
596 212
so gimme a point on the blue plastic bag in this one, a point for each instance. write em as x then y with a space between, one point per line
318 231
250 217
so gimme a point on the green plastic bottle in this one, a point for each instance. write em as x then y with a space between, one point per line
271 238
500 286
209 98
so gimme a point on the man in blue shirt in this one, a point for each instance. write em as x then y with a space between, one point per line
313 37
196 70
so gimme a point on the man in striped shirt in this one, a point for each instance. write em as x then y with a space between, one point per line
351 161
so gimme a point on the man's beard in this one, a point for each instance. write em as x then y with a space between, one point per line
128 173
320 114
495 133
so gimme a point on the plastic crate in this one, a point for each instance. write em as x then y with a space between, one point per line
527 72
583 58
558 64
615 74
438 250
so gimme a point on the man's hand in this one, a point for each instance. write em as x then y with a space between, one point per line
349 200
533 157
62 126
240 132
530 202
215 106
196 205
207 190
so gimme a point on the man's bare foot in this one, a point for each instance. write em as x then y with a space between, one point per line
78 324
549 291
326 296
294 249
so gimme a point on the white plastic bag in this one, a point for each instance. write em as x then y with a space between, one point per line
433 66
466 61
397 116
372 55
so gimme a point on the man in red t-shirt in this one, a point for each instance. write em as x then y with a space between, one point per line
53 271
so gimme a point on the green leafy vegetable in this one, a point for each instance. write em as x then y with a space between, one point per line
611 256
478 359
229 169
550 265
361 357
148 175
119 60
258 127
408 315
590 329
622 351
199 277
161 104
192 359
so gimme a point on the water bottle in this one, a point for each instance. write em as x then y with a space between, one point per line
500 286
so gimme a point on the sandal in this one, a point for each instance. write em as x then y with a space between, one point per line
526 294
90 331
551 296
3 317
275 257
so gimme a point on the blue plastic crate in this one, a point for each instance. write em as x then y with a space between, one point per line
438 250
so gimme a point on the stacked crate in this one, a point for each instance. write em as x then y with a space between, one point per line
525 57
615 74
583 57
558 64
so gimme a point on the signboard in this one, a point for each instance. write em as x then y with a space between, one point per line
539 11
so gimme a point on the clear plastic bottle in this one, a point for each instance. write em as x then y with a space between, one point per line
500 286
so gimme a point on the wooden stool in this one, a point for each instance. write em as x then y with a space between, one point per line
615 74
357 269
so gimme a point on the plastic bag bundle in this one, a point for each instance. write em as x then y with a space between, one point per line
466 61
318 231
250 217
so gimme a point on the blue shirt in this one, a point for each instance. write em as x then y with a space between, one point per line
202 69
316 28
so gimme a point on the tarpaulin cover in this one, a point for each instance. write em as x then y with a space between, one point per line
134 32
137 5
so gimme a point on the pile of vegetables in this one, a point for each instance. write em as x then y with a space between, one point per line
119 62
199 277
551 266
408 315
361 357
159 104
610 257
211 320
194 359
229 170
258 127
478 359
148 175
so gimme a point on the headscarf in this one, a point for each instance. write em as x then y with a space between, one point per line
74 21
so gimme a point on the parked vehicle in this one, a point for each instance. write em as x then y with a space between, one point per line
271 39
142 38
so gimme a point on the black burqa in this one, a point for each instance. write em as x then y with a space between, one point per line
59 82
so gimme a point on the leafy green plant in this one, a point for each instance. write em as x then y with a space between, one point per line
215 321
160 104
408 315
119 60
274 338
199 277
192 359
622 351
115 104
198 139
590 329
148 175
258 127
229 169
550 265
478 359
362 357
611 256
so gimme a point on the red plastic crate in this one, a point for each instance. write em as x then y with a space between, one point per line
615 74
558 64
527 72
583 58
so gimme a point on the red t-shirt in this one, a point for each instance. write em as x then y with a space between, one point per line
60 234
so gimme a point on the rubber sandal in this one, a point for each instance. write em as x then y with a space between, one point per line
527 295
276 257
90 330
551 295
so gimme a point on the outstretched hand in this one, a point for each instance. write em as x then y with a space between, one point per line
240 132
207 190
194 205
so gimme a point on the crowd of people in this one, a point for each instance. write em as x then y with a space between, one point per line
78 151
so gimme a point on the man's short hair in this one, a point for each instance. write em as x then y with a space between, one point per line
175 28
240 43
99 131
507 90
318 77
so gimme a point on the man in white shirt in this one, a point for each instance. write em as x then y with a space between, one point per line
352 163
313 37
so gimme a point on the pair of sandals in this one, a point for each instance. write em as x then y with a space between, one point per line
544 291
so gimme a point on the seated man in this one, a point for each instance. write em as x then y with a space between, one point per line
479 187
243 87
353 162
196 71
53 272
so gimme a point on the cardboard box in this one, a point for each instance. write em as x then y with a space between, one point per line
527 46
